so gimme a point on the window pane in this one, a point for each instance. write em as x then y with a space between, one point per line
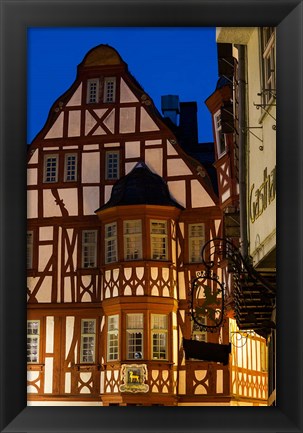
110 243
89 248
71 168
109 89
196 242
50 168
113 338
92 91
132 240
88 340
159 240
112 165
33 339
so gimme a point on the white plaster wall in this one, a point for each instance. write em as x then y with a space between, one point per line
91 167
107 193
219 381
50 208
126 95
70 200
146 122
199 197
32 178
46 233
129 166
50 328
48 375
127 119
76 98
109 121
45 253
68 382
34 157
177 190
91 199
45 291
69 329
170 149
181 283
74 123
56 131
32 204
132 149
152 142
177 167
153 159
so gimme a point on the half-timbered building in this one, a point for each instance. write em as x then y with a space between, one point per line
117 215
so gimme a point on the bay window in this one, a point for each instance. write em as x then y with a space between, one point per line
134 336
111 243
113 338
158 239
133 240
159 331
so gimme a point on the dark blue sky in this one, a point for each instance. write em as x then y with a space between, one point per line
164 60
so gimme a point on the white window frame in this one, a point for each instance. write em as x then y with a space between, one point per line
159 336
109 90
50 174
112 164
92 96
134 335
113 338
70 170
268 65
30 248
88 342
193 241
220 136
89 250
33 349
111 243
132 234
156 237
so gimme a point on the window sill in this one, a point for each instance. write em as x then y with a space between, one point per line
87 367
35 367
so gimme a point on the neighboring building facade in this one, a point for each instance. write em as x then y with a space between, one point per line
250 54
117 216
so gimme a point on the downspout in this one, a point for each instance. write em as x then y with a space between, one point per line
242 151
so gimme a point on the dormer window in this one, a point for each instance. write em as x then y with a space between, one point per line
108 90
109 94
93 91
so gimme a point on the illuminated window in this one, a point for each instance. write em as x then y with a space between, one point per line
196 239
88 340
113 338
158 239
111 243
89 248
134 336
133 240
33 340
159 328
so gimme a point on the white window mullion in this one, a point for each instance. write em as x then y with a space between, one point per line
33 341
88 340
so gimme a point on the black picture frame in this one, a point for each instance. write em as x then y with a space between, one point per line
16 17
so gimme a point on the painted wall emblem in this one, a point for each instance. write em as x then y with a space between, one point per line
133 378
